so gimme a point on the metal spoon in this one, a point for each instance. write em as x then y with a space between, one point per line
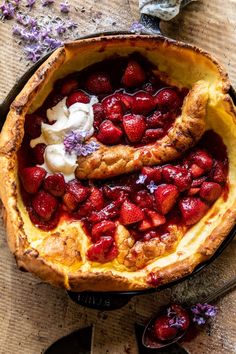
148 339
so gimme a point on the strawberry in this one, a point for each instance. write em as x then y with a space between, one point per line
143 103
33 125
152 173
134 126
103 228
152 135
113 108
143 199
108 133
70 201
198 182
162 330
155 120
130 213
104 250
210 191
98 83
77 97
148 235
78 190
165 196
182 314
99 114
192 210
153 219
96 200
127 100
219 174
107 213
68 87
177 175
44 204
167 100
202 159
55 184
115 192
196 171
134 75
38 152
32 178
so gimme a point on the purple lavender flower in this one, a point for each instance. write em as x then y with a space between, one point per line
201 312
64 7
30 3
71 25
61 28
75 142
33 52
152 187
136 27
16 30
52 43
141 179
47 2
8 10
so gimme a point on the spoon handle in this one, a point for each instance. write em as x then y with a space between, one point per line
224 289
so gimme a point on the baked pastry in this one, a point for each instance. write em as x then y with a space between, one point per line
117 164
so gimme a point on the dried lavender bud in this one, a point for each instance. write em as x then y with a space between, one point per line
64 7
30 3
141 179
201 312
136 27
47 2
152 187
8 10
75 142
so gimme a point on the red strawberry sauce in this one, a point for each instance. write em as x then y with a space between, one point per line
135 107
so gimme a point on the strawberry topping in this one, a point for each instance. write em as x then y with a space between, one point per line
108 133
32 178
192 210
98 83
130 213
166 196
44 205
134 75
134 126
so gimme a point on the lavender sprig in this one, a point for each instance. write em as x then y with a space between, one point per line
75 142
30 3
8 9
136 27
64 7
201 312
47 2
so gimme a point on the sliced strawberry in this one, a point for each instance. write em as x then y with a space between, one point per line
104 250
202 159
68 87
130 213
192 210
109 212
177 175
38 152
77 97
152 173
153 219
134 75
103 228
168 100
80 192
96 200
134 126
165 196
55 184
70 201
115 192
210 191
33 125
108 133
32 178
152 135
99 114
143 103
219 174
44 205
113 108
143 199
198 182
196 171
99 83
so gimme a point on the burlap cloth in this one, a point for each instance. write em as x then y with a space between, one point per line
33 314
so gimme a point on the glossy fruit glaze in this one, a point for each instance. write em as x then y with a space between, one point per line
146 203
134 106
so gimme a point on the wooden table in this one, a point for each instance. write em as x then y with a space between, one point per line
33 314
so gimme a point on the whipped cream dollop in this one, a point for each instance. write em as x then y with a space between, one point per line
78 118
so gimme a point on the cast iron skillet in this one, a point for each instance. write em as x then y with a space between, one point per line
111 300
